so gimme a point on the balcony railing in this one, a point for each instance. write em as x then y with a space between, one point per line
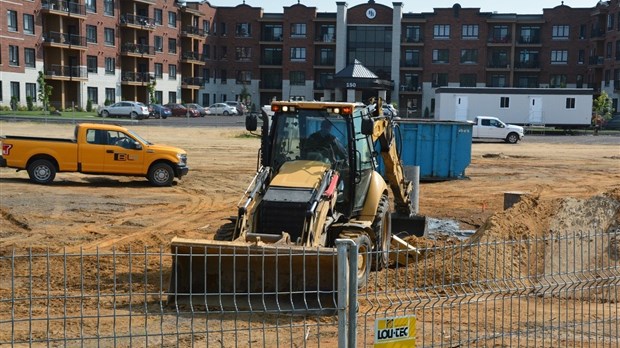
273 61
499 39
131 76
64 39
413 39
596 60
194 81
325 38
191 30
188 55
410 88
597 33
64 6
528 65
66 71
407 63
270 37
326 62
270 85
130 47
529 40
499 65
142 21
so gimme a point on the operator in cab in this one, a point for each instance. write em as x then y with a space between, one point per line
326 144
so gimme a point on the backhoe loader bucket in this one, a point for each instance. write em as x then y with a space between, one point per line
240 276
410 225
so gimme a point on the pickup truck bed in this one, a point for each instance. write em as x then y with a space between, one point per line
19 137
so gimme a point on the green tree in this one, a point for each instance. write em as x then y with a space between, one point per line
601 111
45 91
151 88
245 94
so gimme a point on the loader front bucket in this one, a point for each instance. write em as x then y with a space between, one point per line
240 276
410 225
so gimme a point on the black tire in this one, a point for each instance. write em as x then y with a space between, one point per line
225 232
364 259
133 115
512 138
161 174
225 113
382 226
42 171
105 114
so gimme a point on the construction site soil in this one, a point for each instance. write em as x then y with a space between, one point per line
571 184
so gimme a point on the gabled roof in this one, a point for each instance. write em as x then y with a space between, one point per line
356 70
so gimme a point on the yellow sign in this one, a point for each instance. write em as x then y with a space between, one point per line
395 332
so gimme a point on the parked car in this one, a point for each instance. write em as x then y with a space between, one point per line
203 111
222 109
158 111
241 108
181 110
131 109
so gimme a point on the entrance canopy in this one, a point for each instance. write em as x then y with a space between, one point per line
357 76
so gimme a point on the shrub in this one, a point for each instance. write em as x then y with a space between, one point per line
14 103
107 102
52 108
29 103
89 105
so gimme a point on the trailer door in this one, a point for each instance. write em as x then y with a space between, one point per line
461 108
535 111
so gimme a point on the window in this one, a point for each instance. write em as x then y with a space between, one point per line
158 16
91 6
223 76
570 103
498 80
297 78
413 33
272 32
504 102
15 90
243 30
172 72
13 55
93 94
441 56
12 20
530 35
172 46
159 70
172 97
159 97
91 33
326 56
617 50
159 43
298 53
441 31
559 57
29 24
499 33
467 80
469 56
440 79
244 77
206 26
91 64
29 57
582 57
610 21
557 81
108 7
110 66
298 30
110 95
109 36
469 31
559 32
172 19
412 58
31 91
243 53
223 28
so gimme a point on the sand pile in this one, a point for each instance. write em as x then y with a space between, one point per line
535 244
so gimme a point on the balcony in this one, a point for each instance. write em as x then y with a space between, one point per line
597 34
193 57
270 38
135 21
63 7
136 78
271 62
596 60
270 85
66 72
193 82
189 31
505 39
502 64
411 88
412 39
529 40
56 39
527 65
132 49
327 38
408 63
325 62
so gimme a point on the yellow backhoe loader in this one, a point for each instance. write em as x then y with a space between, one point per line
317 182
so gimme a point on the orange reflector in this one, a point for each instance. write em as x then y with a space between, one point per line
346 110
275 108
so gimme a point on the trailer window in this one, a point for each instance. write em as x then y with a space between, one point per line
570 103
504 102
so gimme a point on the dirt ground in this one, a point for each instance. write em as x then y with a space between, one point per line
80 213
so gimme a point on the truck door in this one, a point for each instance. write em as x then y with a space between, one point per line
121 155
92 151
485 129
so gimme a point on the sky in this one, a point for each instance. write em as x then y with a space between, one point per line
416 6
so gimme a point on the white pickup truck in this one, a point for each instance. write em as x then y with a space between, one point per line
487 127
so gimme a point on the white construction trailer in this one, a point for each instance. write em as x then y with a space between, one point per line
549 107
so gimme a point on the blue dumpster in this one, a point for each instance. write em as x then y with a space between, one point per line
442 149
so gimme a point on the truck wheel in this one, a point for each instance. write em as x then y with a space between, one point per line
105 114
512 138
382 226
364 256
41 171
161 174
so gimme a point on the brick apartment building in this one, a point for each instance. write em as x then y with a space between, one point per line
116 50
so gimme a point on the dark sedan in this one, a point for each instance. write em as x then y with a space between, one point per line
181 110
159 111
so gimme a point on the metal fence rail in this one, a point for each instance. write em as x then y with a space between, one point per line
556 291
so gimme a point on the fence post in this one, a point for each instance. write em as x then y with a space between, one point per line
347 292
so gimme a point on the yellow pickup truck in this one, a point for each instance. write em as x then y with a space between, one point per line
97 149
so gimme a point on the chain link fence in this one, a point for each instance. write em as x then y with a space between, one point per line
561 290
